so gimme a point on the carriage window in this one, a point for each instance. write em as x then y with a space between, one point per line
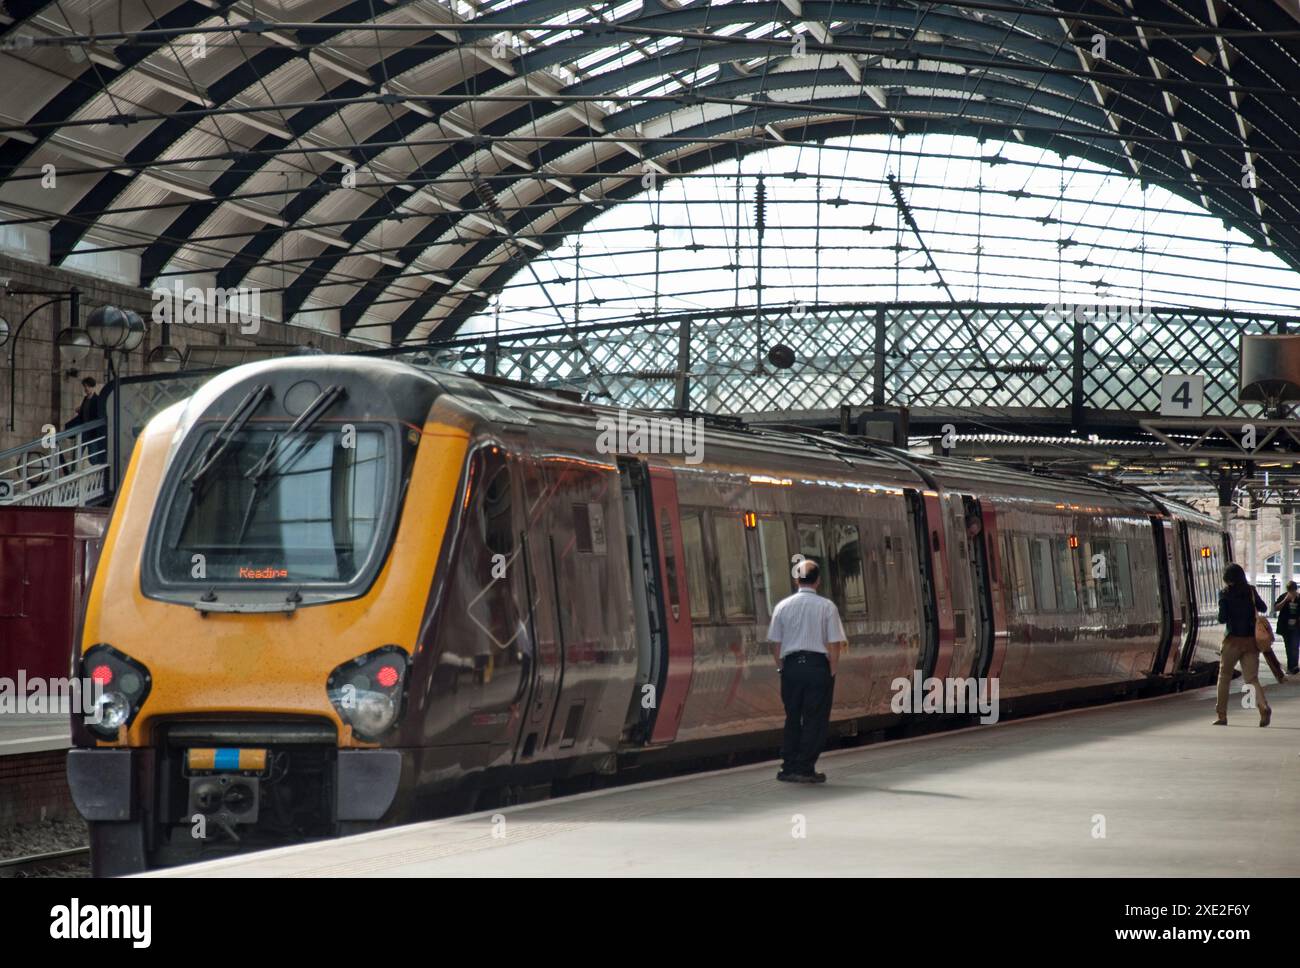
494 510
874 571
670 563
733 559
1102 572
812 544
1023 587
776 560
697 572
1123 574
1087 550
1040 560
848 566
1067 582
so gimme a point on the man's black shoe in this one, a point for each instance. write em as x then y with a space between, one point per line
814 778
785 777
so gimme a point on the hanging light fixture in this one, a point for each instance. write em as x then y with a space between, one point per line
73 343
135 330
107 327
164 359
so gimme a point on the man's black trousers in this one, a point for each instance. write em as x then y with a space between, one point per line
806 690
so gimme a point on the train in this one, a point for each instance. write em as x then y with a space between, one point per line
343 592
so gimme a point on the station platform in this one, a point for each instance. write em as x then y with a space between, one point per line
1146 788
33 733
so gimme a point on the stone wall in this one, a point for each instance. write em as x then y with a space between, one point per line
47 390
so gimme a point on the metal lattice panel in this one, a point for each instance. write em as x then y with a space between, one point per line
1122 367
987 359
983 361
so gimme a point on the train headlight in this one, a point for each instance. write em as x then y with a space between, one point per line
367 691
120 687
112 711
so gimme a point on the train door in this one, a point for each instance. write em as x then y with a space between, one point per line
647 601
937 542
484 641
929 557
994 650
677 671
963 583
1171 601
981 586
545 645
1190 606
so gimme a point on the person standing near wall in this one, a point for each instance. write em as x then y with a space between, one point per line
1288 625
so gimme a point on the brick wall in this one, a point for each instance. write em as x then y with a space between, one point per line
46 393
34 787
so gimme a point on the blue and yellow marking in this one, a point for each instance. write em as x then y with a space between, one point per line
225 760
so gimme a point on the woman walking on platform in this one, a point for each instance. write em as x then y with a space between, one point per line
1239 603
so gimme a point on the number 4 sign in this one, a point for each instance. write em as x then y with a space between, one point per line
1182 395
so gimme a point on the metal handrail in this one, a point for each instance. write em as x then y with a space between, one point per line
60 470
39 442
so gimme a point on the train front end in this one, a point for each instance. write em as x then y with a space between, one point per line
259 599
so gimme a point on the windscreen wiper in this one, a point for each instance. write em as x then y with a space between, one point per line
233 425
306 420
297 432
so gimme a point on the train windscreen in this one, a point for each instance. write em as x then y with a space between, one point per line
267 507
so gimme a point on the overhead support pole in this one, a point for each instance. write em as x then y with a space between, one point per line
878 363
760 226
1226 487
682 392
1076 378
1287 569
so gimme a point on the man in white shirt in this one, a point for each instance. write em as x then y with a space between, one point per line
809 636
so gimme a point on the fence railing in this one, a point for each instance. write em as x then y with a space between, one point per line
65 469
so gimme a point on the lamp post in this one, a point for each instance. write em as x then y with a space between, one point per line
72 296
115 330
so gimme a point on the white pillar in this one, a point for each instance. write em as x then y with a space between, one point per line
1288 533
1252 545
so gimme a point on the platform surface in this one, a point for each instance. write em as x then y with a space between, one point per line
32 733
1172 794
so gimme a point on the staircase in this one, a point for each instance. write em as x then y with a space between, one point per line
65 470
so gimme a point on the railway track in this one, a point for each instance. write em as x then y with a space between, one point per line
37 864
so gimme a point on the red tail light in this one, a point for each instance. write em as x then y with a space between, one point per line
102 674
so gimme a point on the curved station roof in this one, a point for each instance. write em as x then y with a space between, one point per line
397 161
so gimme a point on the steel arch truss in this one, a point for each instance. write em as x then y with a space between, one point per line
481 133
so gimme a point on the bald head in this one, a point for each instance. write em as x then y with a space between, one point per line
806 573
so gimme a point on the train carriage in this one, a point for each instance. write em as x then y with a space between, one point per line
340 592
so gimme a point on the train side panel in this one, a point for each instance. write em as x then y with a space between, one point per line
1081 597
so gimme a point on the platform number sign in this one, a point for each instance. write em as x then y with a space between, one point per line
1182 395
